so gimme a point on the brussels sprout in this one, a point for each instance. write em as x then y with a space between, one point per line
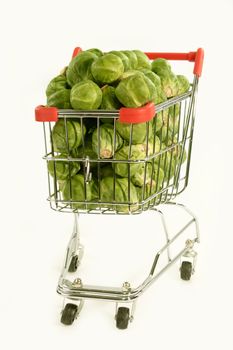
80 67
122 192
60 99
107 69
106 171
164 134
86 95
97 52
161 66
107 141
152 186
167 162
87 151
132 155
171 123
169 83
109 100
135 91
140 132
76 189
57 83
143 60
133 60
67 135
131 72
143 174
123 57
62 169
152 76
174 111
183 84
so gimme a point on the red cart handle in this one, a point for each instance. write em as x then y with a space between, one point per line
196 57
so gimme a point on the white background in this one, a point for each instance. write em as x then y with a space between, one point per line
37 40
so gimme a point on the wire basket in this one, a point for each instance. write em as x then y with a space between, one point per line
147 167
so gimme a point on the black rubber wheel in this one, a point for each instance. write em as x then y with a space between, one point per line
186 270
122 318
73 264
69 314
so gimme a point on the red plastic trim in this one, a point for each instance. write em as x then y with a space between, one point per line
76 51
46 114
198 62
137 115
189 56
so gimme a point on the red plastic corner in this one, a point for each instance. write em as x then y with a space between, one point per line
46 114
137 115
198 62
76 51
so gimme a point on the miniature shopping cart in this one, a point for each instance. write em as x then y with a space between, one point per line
156 189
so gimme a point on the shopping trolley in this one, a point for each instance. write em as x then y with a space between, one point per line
178 116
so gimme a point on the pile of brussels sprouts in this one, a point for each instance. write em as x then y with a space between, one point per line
109 81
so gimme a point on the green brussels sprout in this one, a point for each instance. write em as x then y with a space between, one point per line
139 133
97 52
86 151
90 124
135 91
183 84
169 83
160 95
133 155
57 83
130 72
62 169
164 134
152 76
76 189
86 95
109 100
107 69
70 130
123 57
60 99
167 162
143 174
109 143
106 171
133 60
143 60
176 153
161 66
154 185
157 122
174 111
170 122
80 68
121 192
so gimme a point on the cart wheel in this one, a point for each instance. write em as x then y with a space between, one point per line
122 318
69 314
73 264
186 270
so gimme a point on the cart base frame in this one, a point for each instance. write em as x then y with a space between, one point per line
77 292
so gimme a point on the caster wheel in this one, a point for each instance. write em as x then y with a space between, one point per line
73 264
186 270
122 318
69 314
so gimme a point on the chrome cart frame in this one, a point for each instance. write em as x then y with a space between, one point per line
178 117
